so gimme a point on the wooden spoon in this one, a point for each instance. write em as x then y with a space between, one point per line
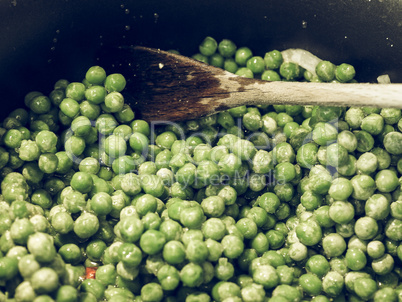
170 87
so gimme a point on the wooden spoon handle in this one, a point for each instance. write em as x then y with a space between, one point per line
166 86
302 93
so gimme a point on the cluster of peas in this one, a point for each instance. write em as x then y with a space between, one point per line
266 203
271 67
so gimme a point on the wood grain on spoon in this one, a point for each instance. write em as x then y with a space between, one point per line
170 87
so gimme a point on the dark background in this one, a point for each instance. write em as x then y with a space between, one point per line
42 40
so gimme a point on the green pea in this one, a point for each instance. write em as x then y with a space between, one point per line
200 57
258 215
114 102
95 75
76 91
152 241
338 264
383 158
48 163
62 222
168 277
12 138
344 72
29 150
373 124
45 280
216 60
334 245
66 293
340 189
355 259
174 252
191 275
385 294
24 291
70 253
192 217
115 82
213 206
74 146
384 265
298 251
325 71
95 249
366 228
391 115
146 204
242 55
348 140
377 207
275 238
232 245
253 292
130 254
318 265
93 286
266 275
9 268
337 155
365 141
214 228
230 65
256 64
105 124
342 212
309 232
40 104
186 174
387 129
247 227
363 187
115 146
245 72
332 283
367 163
131 229
273 59
95 95
46 141
21 115
269 202
386 181
262 162
197 251
208 46
86 225
82 182
290 71
307 155
310 200
270 75
375 249
346 230
227 48
41 246
285 172
166 139
89 165
311 284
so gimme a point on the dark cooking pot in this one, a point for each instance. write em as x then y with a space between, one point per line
42 41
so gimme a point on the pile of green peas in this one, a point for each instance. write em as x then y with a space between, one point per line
261 203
